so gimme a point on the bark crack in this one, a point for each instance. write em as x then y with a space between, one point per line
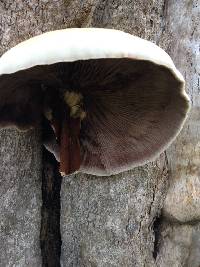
50 237
157 230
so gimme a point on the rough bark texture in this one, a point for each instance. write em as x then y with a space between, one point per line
107 221
183 199
180 232
20 199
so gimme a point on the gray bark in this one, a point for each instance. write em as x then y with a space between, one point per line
180 232
20 199
107 221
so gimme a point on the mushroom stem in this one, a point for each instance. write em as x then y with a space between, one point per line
64 148
74 148
70 160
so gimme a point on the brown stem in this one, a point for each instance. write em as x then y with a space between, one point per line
74 147
64 148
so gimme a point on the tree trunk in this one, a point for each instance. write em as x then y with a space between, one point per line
179 235
123 220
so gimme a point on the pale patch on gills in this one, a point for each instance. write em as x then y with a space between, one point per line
74 102
48 114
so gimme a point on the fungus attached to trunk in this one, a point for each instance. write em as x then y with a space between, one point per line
107 101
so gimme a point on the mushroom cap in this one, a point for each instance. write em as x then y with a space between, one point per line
134 96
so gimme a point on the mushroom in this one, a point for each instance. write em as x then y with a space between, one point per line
107 101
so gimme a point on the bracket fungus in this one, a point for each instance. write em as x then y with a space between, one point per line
108 101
